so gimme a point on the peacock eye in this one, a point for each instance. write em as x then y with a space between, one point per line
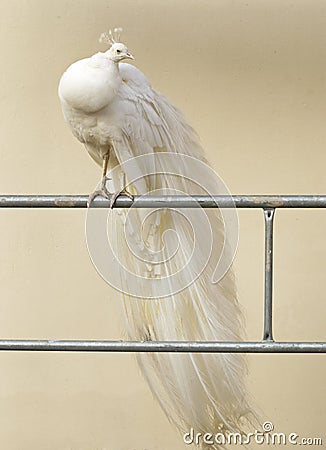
118 51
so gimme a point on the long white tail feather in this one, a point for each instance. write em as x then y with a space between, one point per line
201 391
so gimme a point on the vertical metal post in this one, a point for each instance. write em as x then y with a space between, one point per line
268 306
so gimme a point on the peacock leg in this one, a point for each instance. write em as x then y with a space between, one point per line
103 191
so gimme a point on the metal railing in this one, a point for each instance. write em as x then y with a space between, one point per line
267 203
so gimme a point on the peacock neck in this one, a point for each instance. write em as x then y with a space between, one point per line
114 69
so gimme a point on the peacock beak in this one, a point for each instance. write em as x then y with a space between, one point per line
129 56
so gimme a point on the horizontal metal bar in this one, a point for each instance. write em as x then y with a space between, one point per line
176 201
162 346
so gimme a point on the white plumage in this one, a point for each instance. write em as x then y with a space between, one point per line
112 108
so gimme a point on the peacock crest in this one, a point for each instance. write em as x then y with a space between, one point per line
111 37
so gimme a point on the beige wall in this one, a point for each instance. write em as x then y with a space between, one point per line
250 76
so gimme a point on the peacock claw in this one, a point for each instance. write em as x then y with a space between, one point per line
103 192
117 194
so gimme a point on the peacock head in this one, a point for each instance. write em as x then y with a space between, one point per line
118 51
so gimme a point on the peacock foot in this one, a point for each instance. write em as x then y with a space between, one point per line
117 194
102 192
